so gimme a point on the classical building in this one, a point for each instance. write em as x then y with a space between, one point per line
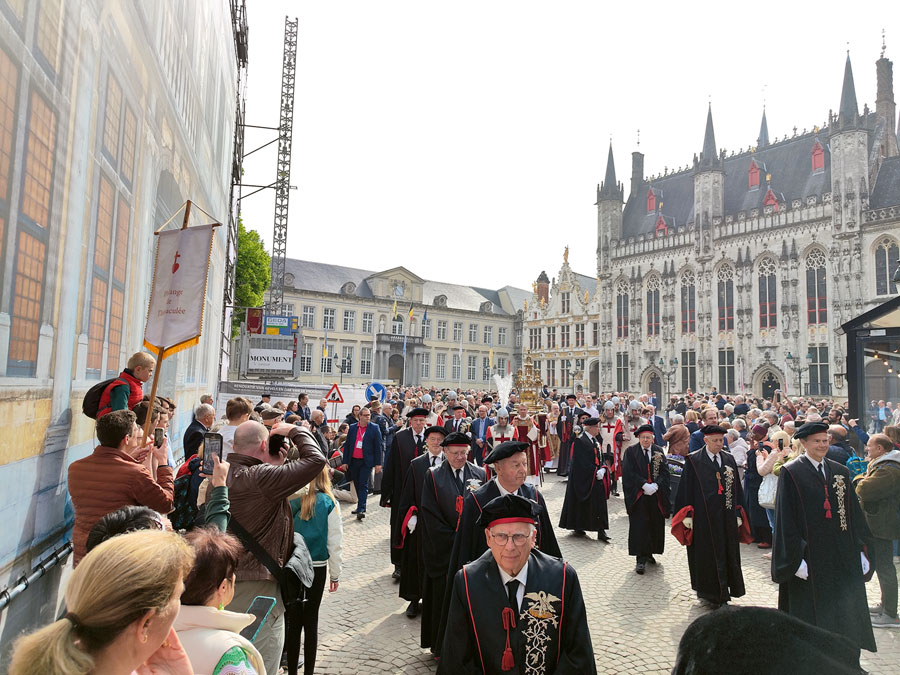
457 335
112 114
734 271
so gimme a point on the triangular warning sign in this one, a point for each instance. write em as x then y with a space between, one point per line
334 394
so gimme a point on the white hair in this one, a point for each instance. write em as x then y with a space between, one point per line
204 410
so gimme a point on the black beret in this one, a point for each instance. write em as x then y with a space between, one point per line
417 412
456 438
504 450
458 407
712 429
435 430
810 428
644 427
266 396
590 421
568 396
509 508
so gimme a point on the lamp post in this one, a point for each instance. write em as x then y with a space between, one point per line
346 364
795 363
571 373
668 373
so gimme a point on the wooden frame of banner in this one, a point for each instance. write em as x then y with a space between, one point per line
161 354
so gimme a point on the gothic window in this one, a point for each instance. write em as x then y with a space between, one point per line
819 378
653 306
818 158
651 201
753 176
688 369
622 371
886 256
816 291
566 302
688 303
768 313
49 20
725 278
726 371
622 309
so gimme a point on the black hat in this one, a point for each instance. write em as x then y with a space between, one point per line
504 450
417 412
458 407
581 413
435 430
510 508
266 396
590 421
568 396
644 427
810 428
712 429
456 438
487 399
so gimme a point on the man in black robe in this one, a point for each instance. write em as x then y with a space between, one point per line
515 609
708 504
568 416
584 507
443 492
645 480
406 446
817 558
412 568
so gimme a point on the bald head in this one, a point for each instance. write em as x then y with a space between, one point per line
251 438
837 432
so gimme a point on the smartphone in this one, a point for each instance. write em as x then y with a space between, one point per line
780 444
212 445
260 608
159 435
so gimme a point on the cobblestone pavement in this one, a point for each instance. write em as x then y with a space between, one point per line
363 628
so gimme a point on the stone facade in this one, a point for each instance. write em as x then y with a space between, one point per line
712 275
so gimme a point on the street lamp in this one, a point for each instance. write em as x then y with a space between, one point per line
796 364
668 373
346 364
571 373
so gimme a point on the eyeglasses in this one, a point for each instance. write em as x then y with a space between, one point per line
503 538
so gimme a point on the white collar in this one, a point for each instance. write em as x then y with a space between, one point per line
503 490
713 457
521 577
814 463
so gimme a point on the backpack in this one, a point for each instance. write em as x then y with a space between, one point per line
856 465
90 405
184 503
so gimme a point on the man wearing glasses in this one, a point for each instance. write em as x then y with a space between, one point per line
515 605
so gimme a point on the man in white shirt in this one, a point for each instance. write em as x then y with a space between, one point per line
237 411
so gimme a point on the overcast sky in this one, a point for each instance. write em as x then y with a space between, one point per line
464 140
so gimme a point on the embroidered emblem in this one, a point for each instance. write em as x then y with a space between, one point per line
473 484
840 490
657 462
539 617
729 487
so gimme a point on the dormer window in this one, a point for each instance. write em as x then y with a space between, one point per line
753 176
770 199
651 201
818 158
661 228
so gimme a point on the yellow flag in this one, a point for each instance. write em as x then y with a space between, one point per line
394 310
491 358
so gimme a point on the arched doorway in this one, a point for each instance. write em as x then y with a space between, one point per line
594 377
654 386
395 368
770 383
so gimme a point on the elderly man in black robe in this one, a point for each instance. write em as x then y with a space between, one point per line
515 609
645 480
442 498
817 558
406 446
565 429
710 520
584 507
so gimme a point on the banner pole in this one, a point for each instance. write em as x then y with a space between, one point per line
152 401
187 214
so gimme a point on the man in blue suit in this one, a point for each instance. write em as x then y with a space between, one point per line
362 450
478 429
658 424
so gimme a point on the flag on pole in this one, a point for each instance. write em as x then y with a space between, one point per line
410 312
325 346
491 357
394 310
425 316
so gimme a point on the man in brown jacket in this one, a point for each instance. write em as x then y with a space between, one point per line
111 477
259 484
678 437
878 490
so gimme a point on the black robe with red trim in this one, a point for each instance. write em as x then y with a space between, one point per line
439 513
584 507
833 596
646 514
550 632
412 568
403 450
714 556
565 429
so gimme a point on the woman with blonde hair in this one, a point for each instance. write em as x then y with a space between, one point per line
122 600
317 518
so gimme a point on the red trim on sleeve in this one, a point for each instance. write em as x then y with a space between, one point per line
472 618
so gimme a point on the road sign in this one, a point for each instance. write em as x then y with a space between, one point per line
376 389
334 394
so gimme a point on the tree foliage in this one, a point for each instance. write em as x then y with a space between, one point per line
252 274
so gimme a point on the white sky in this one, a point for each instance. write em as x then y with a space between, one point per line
436 135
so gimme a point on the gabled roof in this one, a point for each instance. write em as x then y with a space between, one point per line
886 191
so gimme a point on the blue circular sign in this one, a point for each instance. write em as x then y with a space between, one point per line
376 389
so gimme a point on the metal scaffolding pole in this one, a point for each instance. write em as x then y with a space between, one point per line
283 167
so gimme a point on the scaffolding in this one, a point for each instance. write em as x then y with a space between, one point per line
283 167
